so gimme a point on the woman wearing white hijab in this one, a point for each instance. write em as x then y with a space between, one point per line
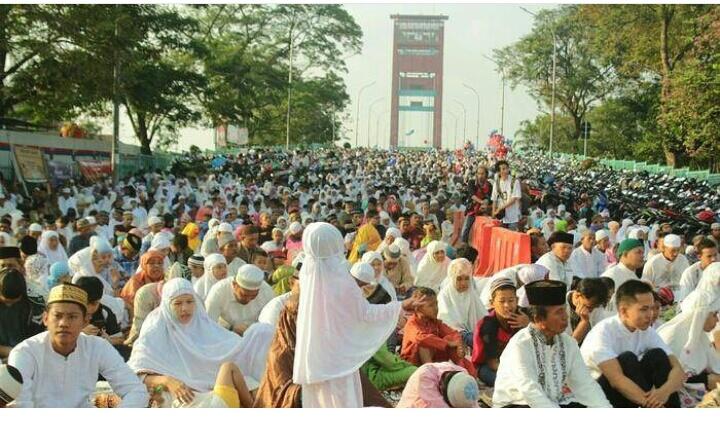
548 227
209 244
687 336
338 330
375 260
709 282
433 267
407 254
216 270
51 248
199 362
623 231
459 304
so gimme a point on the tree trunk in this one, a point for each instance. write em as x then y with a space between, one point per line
666 73
4 18
142 134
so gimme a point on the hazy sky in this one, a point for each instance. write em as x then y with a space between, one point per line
470 31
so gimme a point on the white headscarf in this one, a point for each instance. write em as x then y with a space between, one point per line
686 337
622 232
205 282
407 254
194 352
460 310
431 273
338 330
529 274
53 256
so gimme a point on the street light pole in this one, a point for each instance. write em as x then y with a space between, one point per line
357 114
455 119
554 80
377 129
477 128
502 103
369 117
464 119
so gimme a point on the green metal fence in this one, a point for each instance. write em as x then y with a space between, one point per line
704 175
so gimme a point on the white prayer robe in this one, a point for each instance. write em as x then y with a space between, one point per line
689 281
620 274
586 264
664 273
51 380
65 204
270 314
559 270
535 374
223 307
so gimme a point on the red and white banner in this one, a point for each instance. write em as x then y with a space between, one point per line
94 169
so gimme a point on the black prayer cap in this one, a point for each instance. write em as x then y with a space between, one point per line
561 237
9 253
546 293
28 245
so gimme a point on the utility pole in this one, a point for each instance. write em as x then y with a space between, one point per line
357 113
477 128
464 119
369 117
287 122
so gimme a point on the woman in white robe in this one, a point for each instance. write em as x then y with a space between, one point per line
375 260
433 267
338 330
51 248
687 336
201 364
459 304
216 270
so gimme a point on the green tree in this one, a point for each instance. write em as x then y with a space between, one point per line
581 81
650 42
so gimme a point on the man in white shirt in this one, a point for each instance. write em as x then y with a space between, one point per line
665 269
557 259
631 254
707 252
60 367
65 201
237 303
541 366
586 261
506 195
633 365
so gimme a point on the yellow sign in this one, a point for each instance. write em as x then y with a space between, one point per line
31 164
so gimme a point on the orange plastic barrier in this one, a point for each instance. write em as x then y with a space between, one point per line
480 240
505 249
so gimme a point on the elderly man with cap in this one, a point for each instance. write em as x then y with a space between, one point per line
630 254
707 253
10 258
237 303
557 260
35 231
10 384
20 313
66 201
155 225
60 367
587 261
541 367
397 269
666 269
715 233
603 245
82 239
228 247
127 257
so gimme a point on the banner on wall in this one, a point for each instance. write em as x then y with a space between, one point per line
60 172
30 164
94 169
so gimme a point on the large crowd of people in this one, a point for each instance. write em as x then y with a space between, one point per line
346 278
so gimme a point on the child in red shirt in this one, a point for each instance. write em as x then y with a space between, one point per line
429 340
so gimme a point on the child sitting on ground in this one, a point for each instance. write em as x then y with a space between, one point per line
429 340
